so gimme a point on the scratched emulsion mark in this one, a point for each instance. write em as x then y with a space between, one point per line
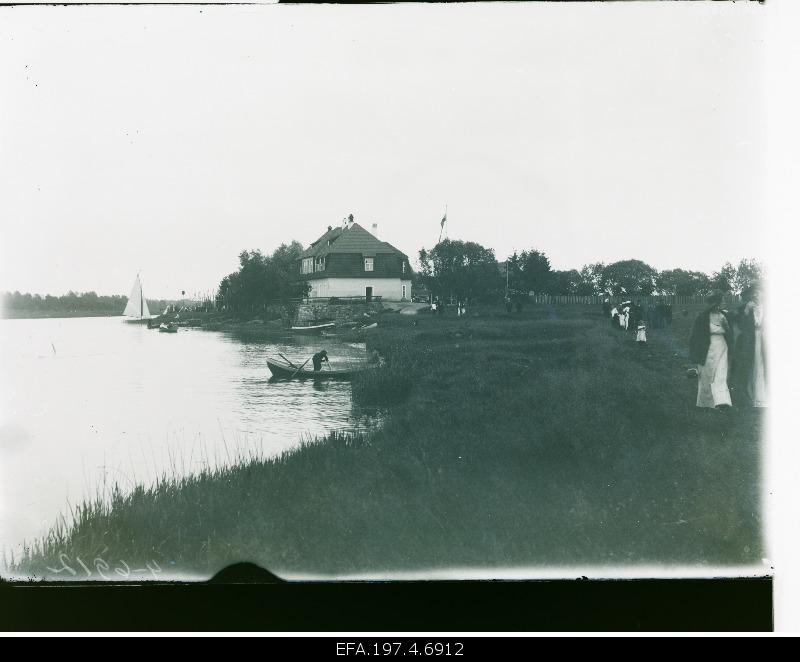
99 568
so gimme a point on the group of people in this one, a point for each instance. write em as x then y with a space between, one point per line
628 316
726 346
729 350
437 306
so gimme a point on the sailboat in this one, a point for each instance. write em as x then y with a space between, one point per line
137 312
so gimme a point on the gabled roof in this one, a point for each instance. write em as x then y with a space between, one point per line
351 239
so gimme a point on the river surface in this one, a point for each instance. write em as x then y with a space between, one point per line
89 402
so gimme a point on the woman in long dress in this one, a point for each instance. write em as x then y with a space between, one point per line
749 364
708 347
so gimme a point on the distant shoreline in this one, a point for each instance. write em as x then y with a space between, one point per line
40 314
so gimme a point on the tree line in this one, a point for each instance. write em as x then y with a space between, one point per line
70 303
452 268
465 269
262 280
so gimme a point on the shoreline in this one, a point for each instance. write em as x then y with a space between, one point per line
508 442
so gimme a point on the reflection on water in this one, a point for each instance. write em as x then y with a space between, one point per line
87 402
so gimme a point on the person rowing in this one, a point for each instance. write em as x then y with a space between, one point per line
318 358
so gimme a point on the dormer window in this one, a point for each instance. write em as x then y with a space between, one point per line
369 264
404 266
307 265
320 264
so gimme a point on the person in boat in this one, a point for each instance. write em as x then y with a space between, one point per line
318 358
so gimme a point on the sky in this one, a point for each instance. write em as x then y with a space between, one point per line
165 140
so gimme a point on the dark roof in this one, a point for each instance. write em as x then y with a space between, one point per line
352 239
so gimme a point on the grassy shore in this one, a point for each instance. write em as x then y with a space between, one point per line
542 438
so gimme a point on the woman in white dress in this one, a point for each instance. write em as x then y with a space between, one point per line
708 347
626 313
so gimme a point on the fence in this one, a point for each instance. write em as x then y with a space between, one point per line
341 301
592 300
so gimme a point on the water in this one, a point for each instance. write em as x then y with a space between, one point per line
88 402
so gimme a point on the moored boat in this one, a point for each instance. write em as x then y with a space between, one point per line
168 328
283 369
313 328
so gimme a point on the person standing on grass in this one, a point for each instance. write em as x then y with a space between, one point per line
749 370
606 307
709 344
650 316
621 317
636 315
660 316
641 334
626 314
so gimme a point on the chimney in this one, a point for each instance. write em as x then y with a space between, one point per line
374 229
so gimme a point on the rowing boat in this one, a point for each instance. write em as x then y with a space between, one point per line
313 328
282 369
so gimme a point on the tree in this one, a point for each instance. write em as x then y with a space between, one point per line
592 280
724 279
262 280
511 271
460 269
630 277
683 283
536 271
749 272
564 282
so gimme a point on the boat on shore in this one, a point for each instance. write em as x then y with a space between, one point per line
168 328
313 328
284 369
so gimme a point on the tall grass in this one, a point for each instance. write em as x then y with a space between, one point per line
541 438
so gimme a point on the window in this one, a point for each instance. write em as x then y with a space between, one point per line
369 263
404 291
404 270
320 264
307 266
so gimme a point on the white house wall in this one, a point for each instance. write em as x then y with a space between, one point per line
388 288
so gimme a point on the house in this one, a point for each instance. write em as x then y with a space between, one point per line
348 261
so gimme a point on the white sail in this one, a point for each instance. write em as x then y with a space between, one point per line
137 306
